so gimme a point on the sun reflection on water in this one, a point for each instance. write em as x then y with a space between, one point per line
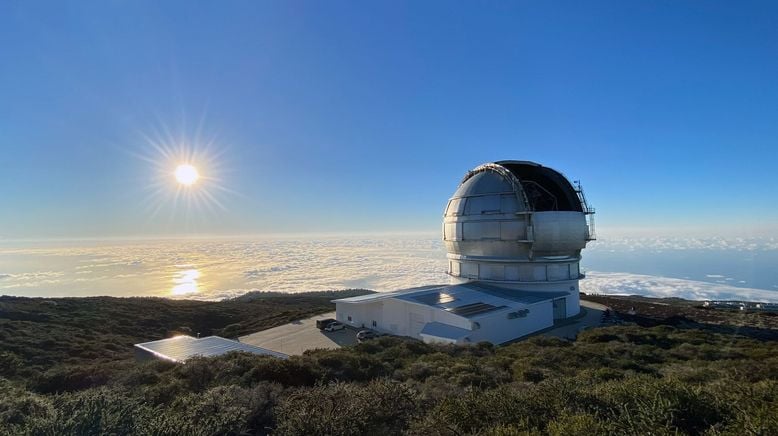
185 282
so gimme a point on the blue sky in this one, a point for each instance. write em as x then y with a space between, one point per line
363 116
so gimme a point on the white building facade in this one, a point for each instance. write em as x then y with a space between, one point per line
513 231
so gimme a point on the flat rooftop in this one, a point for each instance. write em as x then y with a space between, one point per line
469 300
181 348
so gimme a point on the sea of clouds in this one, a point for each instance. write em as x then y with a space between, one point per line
666 287
223 268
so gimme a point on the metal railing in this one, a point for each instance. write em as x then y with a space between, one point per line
587 209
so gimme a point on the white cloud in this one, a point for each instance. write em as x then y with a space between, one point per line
229 268
657 243
665 287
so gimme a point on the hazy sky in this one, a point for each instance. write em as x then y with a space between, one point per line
363 116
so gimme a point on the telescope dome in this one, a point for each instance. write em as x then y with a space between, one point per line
516 223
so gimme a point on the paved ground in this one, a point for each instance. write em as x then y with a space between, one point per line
298 336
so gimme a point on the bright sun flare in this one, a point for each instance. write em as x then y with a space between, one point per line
186 174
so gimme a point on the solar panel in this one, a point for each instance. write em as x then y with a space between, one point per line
472 309
181 348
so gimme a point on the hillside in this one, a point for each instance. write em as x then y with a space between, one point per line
673 367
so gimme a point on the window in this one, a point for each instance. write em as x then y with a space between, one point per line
375 324
349 318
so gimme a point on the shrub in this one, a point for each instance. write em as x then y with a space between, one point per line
578 424
381 407
70 378
94 411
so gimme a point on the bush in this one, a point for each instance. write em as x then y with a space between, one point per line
65 378
578 424
70 378
92 412
381 407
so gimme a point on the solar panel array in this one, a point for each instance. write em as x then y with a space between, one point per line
181 348
473 309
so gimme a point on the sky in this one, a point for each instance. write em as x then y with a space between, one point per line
363 116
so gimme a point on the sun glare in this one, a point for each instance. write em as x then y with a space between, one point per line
196 165
185 282
186 174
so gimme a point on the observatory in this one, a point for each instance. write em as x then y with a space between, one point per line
513 231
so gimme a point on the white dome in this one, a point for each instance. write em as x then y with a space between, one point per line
515 223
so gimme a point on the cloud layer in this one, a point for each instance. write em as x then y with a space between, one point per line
659 243
665 287
216 269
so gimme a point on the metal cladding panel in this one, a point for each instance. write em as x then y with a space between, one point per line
559 232
509 203
478 230
492 272
513 230
512 272
470 270
455 207
558 271
486 182
485 204
497 248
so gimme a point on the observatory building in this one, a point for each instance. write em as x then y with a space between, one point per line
514 231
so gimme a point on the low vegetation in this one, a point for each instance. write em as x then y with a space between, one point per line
66 368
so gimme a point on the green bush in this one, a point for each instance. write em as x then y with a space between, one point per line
67 369
380 407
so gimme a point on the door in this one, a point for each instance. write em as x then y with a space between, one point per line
560 308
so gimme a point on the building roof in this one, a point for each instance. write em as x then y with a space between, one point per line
525 297
468 300
441 330
383 295
181 348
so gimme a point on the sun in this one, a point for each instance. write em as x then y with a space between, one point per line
186 174
187 179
